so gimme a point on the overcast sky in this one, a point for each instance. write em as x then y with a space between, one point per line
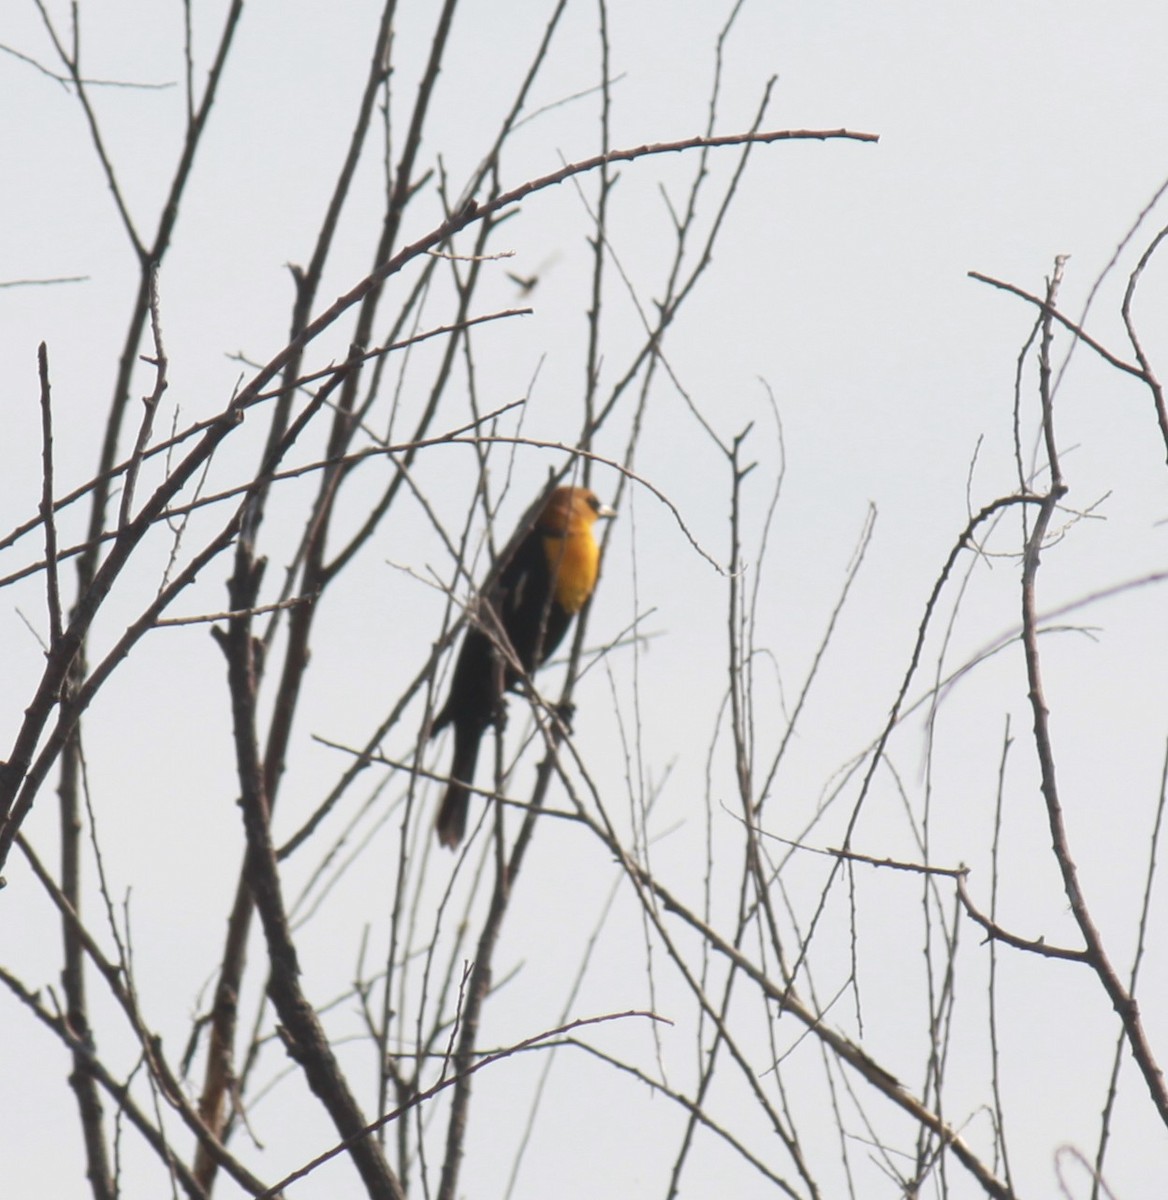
1008 133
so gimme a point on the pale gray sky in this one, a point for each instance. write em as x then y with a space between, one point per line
1009 134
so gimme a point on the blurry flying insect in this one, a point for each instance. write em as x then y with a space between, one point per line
528 283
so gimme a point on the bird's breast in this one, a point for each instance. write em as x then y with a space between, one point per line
574 562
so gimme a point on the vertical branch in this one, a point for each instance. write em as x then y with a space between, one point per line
1124 1003
736 654
52 576
1156 387
599 246
995 1056
219 1072
82 1080
304 1037
188 65
477 988
1141 945
149 405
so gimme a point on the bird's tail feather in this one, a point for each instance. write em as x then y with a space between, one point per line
451 822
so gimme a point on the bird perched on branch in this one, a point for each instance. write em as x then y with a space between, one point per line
544 580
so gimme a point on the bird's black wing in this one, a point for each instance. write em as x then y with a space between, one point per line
518 604
533 621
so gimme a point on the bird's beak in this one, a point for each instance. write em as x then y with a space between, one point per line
605 511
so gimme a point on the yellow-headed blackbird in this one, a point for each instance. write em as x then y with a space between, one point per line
541 586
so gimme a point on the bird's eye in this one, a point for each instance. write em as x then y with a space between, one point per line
594 503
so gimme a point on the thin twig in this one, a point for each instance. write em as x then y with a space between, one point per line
52 580
149 404
535 1042
1049 310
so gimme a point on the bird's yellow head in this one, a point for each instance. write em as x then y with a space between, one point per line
571 510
